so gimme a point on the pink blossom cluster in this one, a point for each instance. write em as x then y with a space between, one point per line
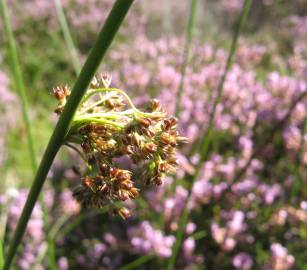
34 245
146 239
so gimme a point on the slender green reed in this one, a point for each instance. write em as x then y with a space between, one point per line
185 58
97 53
138 262
16 71
206 140
67 36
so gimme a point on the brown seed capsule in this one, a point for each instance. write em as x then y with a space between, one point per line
155 105
169 123
104 189
127 185
157 180
148 132
143 121
86 129
86 146
124 212
89 182
166 139
60 92
150 148
163 167
59 110
104 169
128 149
106 80
123 196
134 192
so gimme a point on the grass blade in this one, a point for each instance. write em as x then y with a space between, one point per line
67 36
97 53
204 146
16 71
139 261
188 39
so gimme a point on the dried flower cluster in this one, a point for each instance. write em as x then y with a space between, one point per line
106 129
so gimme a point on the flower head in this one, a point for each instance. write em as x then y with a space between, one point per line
108 126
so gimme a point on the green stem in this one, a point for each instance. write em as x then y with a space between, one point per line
136 110
102 90
184 65
51 254
76 150
139 261
67 36
16 70
79 120
97 53
204 145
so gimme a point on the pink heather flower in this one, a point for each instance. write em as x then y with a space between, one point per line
174 205
68 204
242 261
229 244
63 263
98 250
188 246
244 186
303 205
190 228
281 260
145 239
236 224
270 193
292 137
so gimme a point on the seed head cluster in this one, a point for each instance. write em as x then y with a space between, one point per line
108 127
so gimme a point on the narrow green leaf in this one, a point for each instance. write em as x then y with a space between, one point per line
138 262
16 71
189 35
67 36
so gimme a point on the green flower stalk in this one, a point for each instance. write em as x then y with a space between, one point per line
107 127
